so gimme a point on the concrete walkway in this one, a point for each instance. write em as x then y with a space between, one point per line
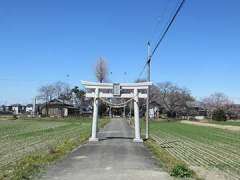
114 157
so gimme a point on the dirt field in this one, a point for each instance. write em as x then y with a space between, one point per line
220 126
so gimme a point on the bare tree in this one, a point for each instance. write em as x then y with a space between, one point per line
79 95
154 96
101 70
54 90
58 90
62 91
61 88
47 93
217 101
154 92
173 98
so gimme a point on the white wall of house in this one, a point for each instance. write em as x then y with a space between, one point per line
152 112
65 112
29 109
1 108
199 117
15 109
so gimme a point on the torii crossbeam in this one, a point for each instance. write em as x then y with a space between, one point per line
115 91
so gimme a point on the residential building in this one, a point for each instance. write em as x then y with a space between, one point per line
18 109
29 108
58 108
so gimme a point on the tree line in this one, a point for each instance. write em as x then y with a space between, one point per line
170 99
178 101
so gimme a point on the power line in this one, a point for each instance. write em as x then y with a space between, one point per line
142 71
166 30
148 64
159 20
171 14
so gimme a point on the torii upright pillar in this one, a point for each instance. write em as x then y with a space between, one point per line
137 138
95 116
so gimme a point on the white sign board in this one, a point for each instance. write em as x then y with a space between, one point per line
116 89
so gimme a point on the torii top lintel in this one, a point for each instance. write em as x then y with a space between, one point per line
94 85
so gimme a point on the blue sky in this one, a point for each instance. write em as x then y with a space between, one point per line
44 41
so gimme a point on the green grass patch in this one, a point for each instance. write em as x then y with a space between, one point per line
166 160
198 146
174 166
181 171
34 163
27 146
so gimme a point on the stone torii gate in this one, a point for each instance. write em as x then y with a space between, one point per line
114 91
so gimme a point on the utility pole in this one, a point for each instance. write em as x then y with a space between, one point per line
130 113
34 107
110 110
110 107
148 90
150 55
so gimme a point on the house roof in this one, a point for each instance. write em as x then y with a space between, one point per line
196 104
16 105
59 103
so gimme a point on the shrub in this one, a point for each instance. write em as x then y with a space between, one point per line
181 171
172 114
219 115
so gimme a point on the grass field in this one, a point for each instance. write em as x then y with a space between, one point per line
20 138
198 146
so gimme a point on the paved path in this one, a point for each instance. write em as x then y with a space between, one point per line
114 157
